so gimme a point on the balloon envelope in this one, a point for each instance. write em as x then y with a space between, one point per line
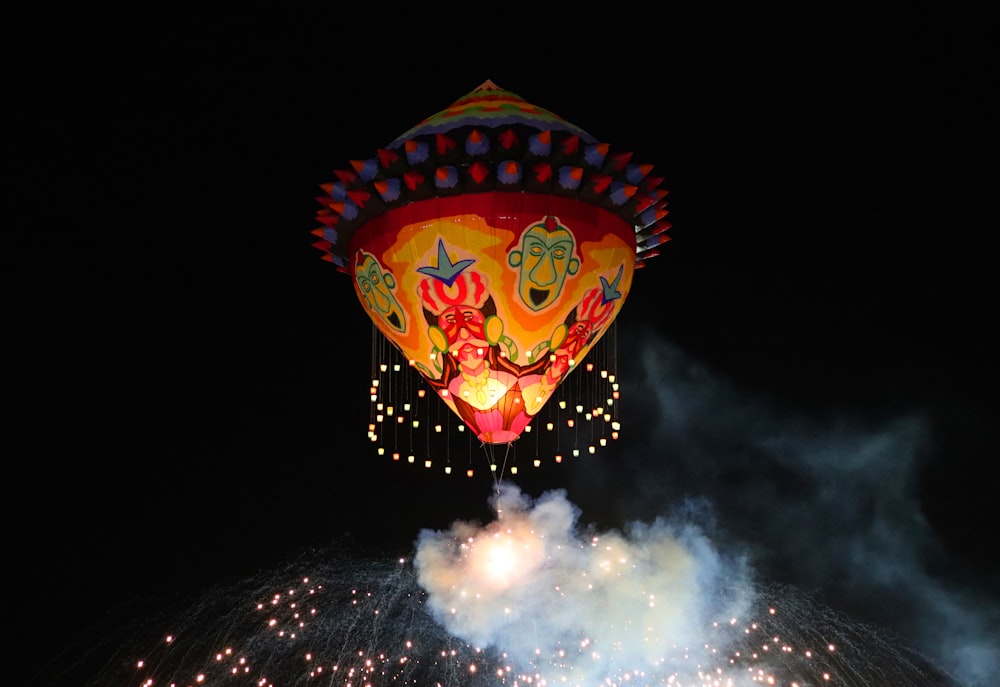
493 244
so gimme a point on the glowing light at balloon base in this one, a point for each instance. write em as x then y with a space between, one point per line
409 425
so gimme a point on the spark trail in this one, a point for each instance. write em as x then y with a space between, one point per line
528 599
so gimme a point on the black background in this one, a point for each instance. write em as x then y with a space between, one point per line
186 380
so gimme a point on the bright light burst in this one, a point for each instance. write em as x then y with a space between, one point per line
524 601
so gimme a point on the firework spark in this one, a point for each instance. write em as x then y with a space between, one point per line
526 600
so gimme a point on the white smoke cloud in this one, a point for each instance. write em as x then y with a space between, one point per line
828 502
574 604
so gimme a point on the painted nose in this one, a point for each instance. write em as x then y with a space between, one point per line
544 272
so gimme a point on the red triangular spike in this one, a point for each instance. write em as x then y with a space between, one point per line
345 176
543 171
479 172
359 196
619 160
443 143
387 157
508 139
649 183
570 145
327 188
412 179
601 182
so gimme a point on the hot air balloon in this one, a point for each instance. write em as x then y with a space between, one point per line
493 245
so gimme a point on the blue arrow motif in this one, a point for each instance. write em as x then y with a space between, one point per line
610 291
447 271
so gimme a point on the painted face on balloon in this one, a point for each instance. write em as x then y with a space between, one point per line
463 325
376 288
545 258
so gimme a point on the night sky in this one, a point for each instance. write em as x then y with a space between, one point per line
187 380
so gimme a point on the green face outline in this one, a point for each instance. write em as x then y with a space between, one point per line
545 259
376 288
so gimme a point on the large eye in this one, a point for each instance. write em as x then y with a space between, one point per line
535 250
559 253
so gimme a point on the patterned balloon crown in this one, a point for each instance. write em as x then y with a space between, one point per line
491 140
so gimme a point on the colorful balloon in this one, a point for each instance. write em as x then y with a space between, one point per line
493 244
